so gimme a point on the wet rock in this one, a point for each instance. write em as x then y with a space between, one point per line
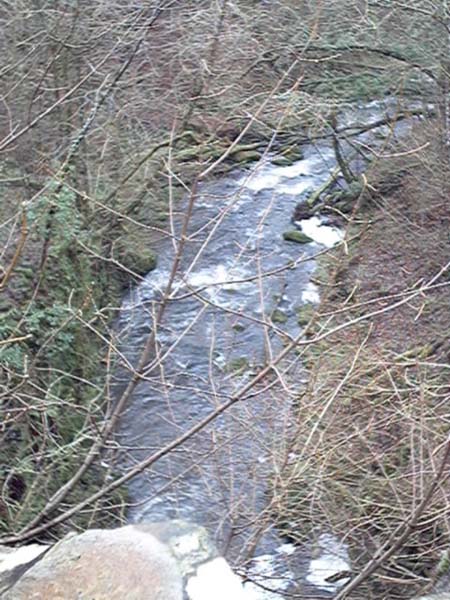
237 365
281 161
278 316
305 313
288 157
296 236
246 156
303 211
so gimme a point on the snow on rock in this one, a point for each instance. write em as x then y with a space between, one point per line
267 579
10 558
311 293
215 579
333 558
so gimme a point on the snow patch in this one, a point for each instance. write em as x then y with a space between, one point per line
20 556
311 293
332 559
265 573
215 579
320 233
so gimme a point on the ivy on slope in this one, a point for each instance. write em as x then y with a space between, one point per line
53 380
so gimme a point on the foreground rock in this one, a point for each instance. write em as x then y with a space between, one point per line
139 562
296 236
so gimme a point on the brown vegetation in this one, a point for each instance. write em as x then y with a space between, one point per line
373 420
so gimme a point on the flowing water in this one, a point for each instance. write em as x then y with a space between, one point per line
236 273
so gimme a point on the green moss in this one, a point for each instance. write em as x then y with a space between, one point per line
142 262
49 440
288 156
278 316
246 156
345 199
296 236
26 272
135 255
237 365
443 567
305 312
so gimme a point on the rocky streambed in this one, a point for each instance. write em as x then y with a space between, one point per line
243 283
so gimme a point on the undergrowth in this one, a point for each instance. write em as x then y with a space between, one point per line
373 421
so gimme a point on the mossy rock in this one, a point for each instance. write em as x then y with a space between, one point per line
281 161
303 211
278 316
237 365
296 236
288 157
246 156
135 255
345 199
26 272
192 153
354 190
305 313
140 262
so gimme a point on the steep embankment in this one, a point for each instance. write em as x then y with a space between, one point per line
373 417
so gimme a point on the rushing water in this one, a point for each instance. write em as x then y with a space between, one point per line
210 343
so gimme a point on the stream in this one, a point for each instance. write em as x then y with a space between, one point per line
236 272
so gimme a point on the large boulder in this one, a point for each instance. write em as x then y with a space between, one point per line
147 561
103 565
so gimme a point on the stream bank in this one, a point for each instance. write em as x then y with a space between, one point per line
235 301
372 419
